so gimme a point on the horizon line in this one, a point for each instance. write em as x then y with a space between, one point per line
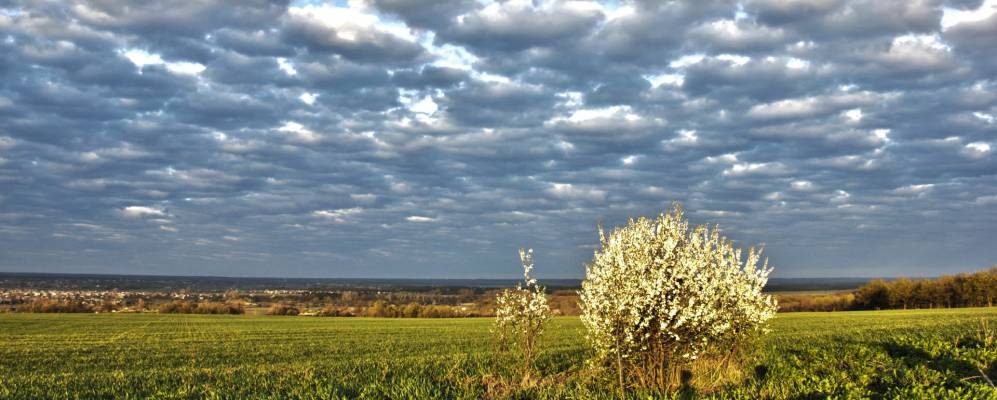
104 274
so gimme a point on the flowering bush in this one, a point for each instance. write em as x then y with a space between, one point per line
521 313
658 296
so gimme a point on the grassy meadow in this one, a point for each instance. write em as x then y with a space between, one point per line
869 354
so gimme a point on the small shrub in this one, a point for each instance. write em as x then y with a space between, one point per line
381 309
658 296
283 309
177 307
219 308
333 311
187 307
411 310
521 313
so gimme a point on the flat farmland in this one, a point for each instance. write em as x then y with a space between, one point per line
871 354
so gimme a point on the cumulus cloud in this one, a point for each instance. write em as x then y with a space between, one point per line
349 32
339 215
816 106
6 142
400 138
142 212
518 25
575 192
607 120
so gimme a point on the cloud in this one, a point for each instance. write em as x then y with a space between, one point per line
7 143
574 192
914 189
977 149
608 121
400 138
350 33
298 133
816 106
141 212
764 168
338 215
519 25
743 35
141 59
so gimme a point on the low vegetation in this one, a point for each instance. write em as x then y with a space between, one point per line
283 309
815 301
383 309
54 306
869 354
189 307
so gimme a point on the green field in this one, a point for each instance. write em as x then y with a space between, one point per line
878 354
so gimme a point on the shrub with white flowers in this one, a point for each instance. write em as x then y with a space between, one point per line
657 296
521 313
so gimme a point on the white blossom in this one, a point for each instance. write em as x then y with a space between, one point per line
658 290
522 313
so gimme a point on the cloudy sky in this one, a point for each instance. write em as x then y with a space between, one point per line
402 138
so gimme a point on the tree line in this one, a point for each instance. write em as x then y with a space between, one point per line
977 289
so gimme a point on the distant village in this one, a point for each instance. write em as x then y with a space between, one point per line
43 293
434 303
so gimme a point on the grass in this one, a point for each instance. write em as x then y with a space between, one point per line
875 354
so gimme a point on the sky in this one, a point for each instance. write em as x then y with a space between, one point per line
412 139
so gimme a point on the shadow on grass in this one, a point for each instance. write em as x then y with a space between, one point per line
912 356
761 372
954 371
